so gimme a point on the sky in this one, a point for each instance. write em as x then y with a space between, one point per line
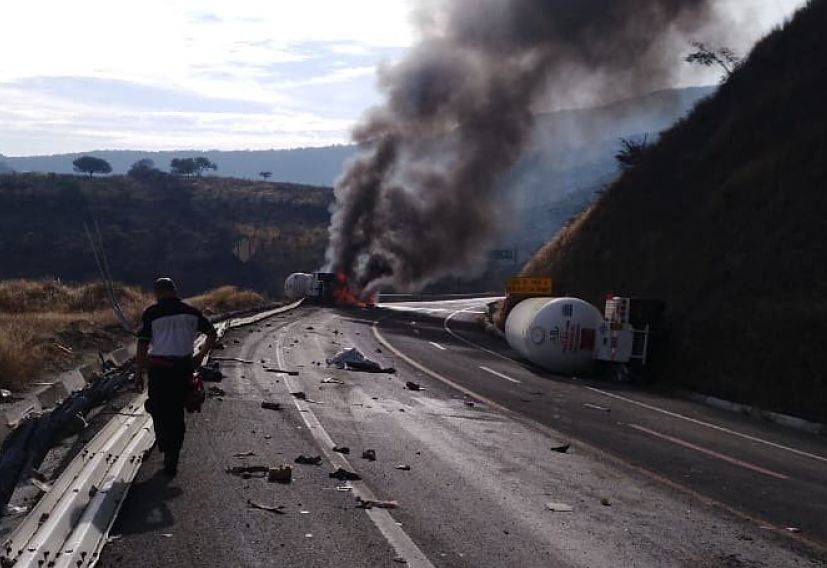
213 74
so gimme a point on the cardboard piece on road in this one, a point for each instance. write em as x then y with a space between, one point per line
559 507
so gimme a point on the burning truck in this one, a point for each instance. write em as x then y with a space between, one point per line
326 288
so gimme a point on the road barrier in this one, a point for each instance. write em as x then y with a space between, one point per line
71 522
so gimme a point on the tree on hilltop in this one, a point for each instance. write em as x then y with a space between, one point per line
91 165
265 175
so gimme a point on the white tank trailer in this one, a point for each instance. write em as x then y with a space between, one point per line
568 335
558 334
299 285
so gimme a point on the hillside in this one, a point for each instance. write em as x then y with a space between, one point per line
724 220
204 232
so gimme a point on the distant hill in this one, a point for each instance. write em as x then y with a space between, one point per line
321 166
724 219
205 232
312 166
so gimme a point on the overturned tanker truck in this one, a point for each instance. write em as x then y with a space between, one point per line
318 286
571 336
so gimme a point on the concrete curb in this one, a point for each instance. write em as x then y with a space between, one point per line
775 417
47 395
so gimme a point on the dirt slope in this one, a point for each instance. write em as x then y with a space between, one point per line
724 219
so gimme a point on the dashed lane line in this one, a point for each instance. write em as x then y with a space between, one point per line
498 374
437 345
708 452
648 406
398 539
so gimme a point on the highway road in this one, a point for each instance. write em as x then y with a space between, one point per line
470 459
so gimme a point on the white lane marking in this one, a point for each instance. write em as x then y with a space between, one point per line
709 425
447 328
498 374
398 539
709 452
649 406
709 501
437 345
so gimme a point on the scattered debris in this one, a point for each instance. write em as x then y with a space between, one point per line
562 448
310 328
403 467
369 455
341 449
597 407
605 502
344 475
559 507
299 395
283 372
332 381
210 374
410 385
308 460
470 403
235 359
278 509
400 560
271 405
371 503
6 396
17 509
792 529
280 474
214 391
244 455
354 360
248 471
344 487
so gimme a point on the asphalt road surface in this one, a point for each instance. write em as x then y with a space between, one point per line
647 480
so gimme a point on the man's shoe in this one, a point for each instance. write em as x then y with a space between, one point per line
171 463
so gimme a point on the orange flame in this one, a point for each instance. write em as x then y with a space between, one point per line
345 295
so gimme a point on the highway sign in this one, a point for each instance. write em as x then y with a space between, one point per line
529 286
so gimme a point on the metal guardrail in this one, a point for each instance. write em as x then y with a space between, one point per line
70 524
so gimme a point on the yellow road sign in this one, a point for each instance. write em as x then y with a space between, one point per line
529 286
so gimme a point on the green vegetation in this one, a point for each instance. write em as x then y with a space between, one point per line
724 219
205 232
91 165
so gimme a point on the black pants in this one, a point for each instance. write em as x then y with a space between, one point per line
169 380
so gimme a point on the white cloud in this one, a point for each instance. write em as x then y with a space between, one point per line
193 73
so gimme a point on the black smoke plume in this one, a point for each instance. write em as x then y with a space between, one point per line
420 201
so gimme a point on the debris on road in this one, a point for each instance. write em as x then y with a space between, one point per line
562 448
271 405
308 460
597 407
369 455
403 467
248 471
299 395
341 449
344 475
16 509
793 529
470 403
332 381
559 507
410 385
310 328
280 474
232 359
283 372
214 391
211 374
605 502
354 360
41 486
278 509
244 455
371 503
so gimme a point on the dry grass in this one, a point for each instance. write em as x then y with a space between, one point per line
48 326
227 299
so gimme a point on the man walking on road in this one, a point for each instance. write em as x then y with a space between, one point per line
165 349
